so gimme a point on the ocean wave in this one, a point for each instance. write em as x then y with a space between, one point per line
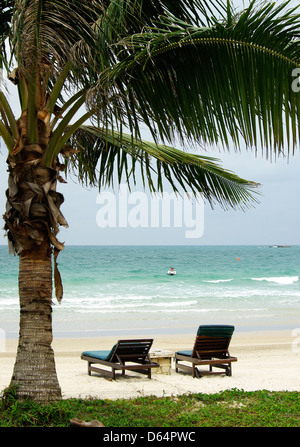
285 280
178 304
216 281
146 311
6 303
76 300
242 312
145 306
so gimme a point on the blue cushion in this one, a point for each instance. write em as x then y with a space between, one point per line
101 355
216 330
187 353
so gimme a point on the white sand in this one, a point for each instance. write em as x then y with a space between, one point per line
266 360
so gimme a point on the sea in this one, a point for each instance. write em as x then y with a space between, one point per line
126 290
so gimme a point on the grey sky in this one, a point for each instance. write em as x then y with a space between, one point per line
275 220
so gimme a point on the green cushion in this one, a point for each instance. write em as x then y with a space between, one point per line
216 330
101 355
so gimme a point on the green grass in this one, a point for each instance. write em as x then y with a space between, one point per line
231 408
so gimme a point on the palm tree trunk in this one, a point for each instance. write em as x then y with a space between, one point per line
34 371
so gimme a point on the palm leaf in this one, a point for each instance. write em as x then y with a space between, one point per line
6 11
192 70
66 29
210 84
103 155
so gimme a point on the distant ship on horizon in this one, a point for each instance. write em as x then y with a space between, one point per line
280 246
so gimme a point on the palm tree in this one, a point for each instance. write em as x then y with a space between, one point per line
193 72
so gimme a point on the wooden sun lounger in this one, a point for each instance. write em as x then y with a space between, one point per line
210 348
130 355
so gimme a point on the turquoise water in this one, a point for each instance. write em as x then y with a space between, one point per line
126 289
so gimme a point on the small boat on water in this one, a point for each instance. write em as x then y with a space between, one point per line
171 271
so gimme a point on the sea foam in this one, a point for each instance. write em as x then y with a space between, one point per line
285 280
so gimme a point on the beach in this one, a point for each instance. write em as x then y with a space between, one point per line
267 360
113 293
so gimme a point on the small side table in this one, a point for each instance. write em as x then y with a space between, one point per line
164 358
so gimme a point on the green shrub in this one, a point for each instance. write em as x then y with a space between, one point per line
230 408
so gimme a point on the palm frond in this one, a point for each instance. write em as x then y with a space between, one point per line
193 70
104 154
57 26
6 12
81 32
229 81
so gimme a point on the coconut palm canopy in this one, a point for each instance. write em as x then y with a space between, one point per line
195 73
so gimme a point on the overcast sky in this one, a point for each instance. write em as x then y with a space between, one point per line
275 220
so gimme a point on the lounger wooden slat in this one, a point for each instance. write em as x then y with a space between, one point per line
132 355
210 348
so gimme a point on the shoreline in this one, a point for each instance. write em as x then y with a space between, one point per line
155 331
266 360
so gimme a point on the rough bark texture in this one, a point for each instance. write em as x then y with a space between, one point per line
34 371
32 220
